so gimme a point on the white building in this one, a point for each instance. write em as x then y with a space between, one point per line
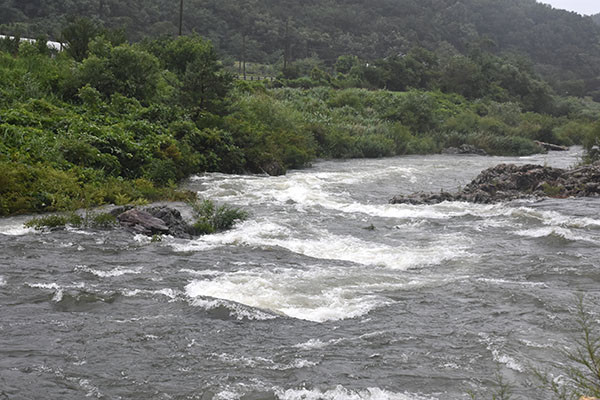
51 45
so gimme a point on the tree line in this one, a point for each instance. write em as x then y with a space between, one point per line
563 46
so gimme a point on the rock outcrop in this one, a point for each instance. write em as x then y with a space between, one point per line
140 221
507 182
172 218
154 221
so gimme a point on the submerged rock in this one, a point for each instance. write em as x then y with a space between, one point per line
507 182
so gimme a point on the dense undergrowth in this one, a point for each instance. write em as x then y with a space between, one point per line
120 123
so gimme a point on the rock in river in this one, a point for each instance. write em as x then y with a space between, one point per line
143 222
507 182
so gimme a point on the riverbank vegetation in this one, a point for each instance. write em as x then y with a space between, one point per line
114 122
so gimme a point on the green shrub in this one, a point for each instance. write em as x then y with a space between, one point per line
54 221
102 220
211 219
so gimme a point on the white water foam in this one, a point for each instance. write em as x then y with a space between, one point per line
502 358
324 245
167 292
239 311
535 345
58 290
58 295
143 239
556 231
507 360
44 285
2 281
319 294
313 344
554 218
15 230
504 282
204 272
118 271
262 363
341 393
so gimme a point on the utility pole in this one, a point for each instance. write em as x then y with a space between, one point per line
181 18
244 54
286 49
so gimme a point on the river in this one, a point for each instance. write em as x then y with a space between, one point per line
325 292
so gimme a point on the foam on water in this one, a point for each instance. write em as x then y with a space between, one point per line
205 272
319 294
495 347
304 191
238 311
504 282
312 344
15 230
53 286
167 292
341 393
262 362
2 281
118 271
555 231
554 218
324 245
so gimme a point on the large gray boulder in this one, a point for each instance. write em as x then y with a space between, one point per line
139 221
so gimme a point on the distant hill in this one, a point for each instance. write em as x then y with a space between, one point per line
564 46
596 18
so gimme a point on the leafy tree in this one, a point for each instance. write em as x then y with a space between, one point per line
202 81
77 36
125 69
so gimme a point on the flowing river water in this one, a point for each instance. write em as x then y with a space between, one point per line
325 292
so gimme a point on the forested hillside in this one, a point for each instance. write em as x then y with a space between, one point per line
563 46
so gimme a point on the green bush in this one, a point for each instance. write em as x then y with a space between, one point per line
102 220
211 218
54 221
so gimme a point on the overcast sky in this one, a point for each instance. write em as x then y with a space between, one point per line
586 7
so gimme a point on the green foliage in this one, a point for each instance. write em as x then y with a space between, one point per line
591 143
564 46
90 220
211 218
270 131
54 221
202 83
124 69
101 220
130 121
551 190
77 36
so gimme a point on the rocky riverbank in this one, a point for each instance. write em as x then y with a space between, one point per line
507 182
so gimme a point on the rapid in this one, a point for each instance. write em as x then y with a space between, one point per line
325 292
